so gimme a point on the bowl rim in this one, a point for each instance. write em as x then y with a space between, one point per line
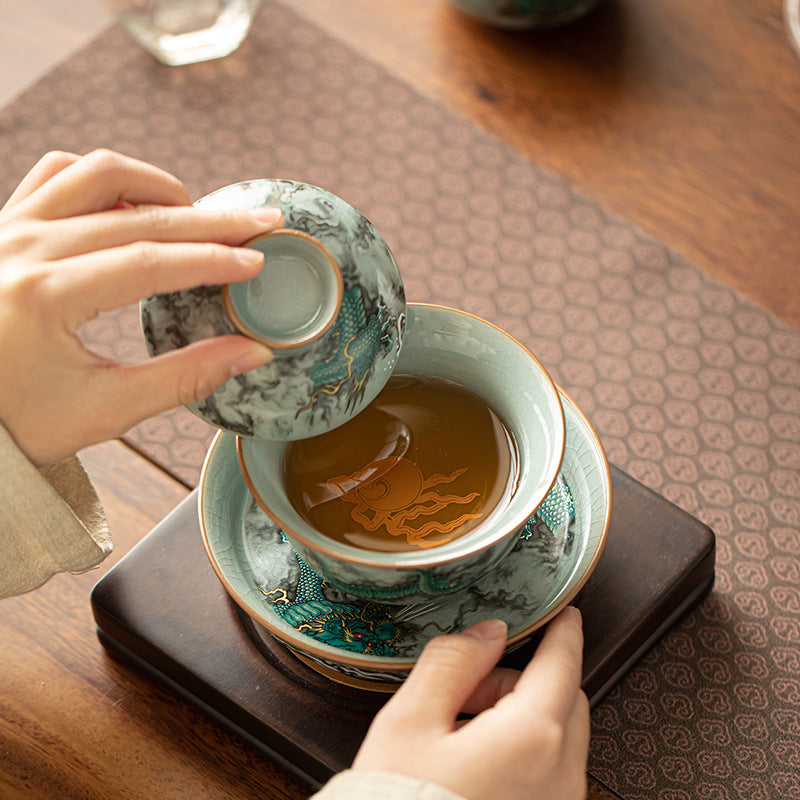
330 654
428 559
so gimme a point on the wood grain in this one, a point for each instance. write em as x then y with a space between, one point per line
679 116
36 37
229 665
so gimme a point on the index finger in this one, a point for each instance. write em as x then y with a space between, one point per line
100 180
45 168
553 675
447 673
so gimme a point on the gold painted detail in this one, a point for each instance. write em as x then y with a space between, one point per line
393 492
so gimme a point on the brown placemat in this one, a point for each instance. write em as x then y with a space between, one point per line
694 391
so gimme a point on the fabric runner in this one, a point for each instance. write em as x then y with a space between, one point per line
694 390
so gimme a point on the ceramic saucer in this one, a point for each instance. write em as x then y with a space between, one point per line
374 644
308 390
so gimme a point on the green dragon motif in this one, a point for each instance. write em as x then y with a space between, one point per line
361 628
358 340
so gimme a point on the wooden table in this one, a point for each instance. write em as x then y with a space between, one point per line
681 116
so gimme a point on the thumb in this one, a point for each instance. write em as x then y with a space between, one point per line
448 671
183 376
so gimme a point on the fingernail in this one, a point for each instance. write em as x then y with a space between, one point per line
489 630
249 256
256 355
269 216
575 612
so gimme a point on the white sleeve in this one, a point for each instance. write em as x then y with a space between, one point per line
355 784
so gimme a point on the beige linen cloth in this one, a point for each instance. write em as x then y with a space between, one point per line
51 521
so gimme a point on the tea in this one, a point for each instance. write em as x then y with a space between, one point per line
424 463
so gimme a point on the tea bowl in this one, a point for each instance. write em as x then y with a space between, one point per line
338 366
456 346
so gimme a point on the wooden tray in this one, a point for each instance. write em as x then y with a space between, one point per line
162 609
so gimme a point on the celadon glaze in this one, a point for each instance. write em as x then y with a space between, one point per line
305 391
456 346
372 641
296 296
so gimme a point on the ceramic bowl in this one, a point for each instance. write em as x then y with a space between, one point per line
459 347
527 14
317 384
373 645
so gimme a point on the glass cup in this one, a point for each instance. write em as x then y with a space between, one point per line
186 31
792 14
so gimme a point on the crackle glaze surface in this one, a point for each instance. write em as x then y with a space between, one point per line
452 345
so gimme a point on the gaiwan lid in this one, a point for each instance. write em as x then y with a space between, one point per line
329 302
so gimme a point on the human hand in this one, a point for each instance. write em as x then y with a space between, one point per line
530 738
81 235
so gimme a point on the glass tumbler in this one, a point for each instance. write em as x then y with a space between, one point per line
186 31
792 14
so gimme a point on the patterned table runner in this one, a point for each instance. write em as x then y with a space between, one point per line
694 390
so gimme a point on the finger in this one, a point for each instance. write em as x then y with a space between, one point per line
496 685
90 232
100 180
578 731
176 378
557 665
87 285
48 165
447 673
574 754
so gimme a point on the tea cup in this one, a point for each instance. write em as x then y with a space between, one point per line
455 346
529 15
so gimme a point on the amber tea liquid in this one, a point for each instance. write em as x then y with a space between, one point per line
424 463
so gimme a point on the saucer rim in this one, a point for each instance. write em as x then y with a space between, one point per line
384 663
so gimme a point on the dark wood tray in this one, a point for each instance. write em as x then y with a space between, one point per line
162 609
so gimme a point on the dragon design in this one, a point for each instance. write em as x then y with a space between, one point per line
367 628
392 493
357 340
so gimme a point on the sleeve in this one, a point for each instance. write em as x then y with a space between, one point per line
373 785
51 520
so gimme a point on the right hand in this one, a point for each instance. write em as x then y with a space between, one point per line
530 738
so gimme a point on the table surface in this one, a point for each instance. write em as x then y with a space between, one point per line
681 117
